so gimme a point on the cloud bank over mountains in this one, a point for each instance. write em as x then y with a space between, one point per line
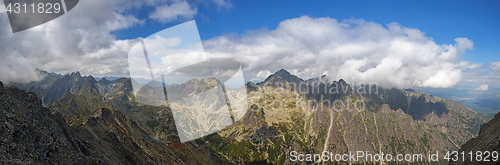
82 40
353 49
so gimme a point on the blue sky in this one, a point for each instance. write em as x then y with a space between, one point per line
444 21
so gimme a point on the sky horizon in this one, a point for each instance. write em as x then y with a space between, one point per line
444 44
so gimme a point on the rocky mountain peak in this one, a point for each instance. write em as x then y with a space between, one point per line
69 84
254 117
104 82
282 73
251 86
193 81
211 82
342 81
201 85
282 76
76 74
104 79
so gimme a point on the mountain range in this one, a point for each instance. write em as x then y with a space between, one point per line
33 134
394 121
104 122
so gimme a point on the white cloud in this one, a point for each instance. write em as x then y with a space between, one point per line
177 10
474 78
483 87
495 66
454 52
356 50
263 74
443 78
353 49
80 40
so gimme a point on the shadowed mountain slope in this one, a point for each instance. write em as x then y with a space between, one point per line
31 134
487 140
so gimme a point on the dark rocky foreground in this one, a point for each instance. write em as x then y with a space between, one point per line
31 134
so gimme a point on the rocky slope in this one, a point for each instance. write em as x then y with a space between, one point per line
283 119
286 114
31 134
487 140
76 97
122 140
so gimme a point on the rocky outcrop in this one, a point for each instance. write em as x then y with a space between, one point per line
487 140
254 117
30 134
122 140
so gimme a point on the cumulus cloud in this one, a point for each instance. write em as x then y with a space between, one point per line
353 49
80 40
495 66
483 87
177 10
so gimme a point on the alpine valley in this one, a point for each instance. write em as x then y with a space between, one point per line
74 119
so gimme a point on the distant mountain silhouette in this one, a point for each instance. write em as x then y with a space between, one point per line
282 75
